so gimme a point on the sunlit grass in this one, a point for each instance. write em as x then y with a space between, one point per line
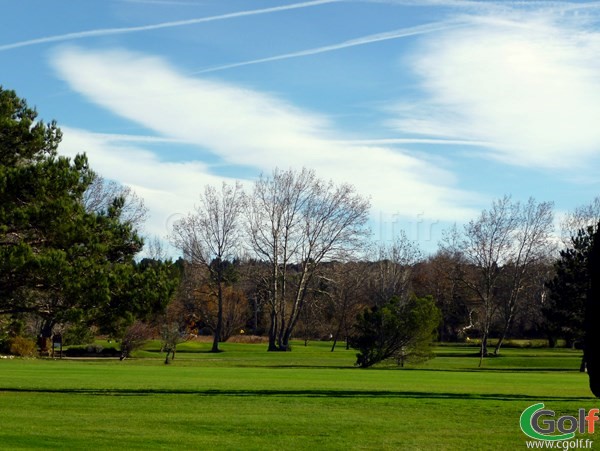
246 398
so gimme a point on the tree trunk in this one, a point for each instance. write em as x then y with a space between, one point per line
46 329
336 335
284 344
500 341
347 333
255 319
273 326
273 332
219 328
44 342
506 327
281 337
483 350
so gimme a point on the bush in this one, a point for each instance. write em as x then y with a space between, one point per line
5 342
9 329
91 351
134 338
23 347
398 330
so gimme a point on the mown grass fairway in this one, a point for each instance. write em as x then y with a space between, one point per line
246 398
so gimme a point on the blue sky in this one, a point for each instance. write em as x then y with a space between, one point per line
432 108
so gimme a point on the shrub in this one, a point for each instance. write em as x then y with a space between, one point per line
91 351
134 338
397 330
23 347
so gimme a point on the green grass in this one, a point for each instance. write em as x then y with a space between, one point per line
246 398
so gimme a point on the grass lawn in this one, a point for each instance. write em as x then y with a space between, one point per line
246 398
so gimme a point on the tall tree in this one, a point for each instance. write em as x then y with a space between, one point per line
57 260
345 286
392 271
569 288
437 276
22 138
580 218
497 252
295 223
100 194
210 237
531 245
592 313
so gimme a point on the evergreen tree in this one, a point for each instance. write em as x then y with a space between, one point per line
592 315
57 260
395 330
568 290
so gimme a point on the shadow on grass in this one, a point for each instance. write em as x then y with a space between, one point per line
375 394
461 369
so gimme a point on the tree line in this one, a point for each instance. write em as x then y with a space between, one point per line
290 257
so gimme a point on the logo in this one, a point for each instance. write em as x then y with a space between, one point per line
540 424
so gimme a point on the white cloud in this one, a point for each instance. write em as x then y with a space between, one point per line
527 84
169 189
242 127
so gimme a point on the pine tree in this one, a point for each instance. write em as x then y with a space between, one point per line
397 330
58 261
568 290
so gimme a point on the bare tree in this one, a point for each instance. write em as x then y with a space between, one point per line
173 329
500 247
254 282
210 237
295 222
345 285
155 249
394 265
437 276
101 193
236 312
581 218
531 245
134 337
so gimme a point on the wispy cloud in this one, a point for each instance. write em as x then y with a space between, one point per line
112 137
527 84
369 39
439 142
252 129
491 4
169 189
178 23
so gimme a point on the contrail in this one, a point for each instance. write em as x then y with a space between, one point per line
163 2
387 141
178 23
396 34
